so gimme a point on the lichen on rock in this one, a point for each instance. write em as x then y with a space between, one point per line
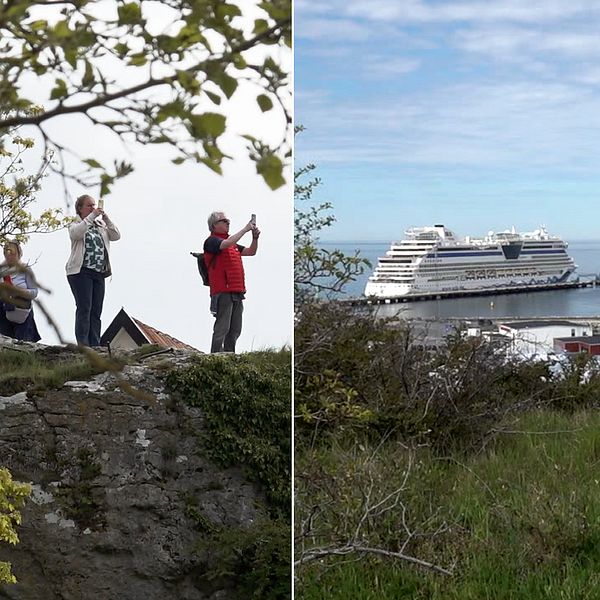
114 478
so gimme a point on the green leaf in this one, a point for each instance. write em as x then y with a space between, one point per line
260 26
239 62
213 152
121 49
88 77
188 35
207 125
271 168
61 30
188 82
71 56
37 25
129 14
215 73
214 97
122 168
228 10
15 13
138 60
211 165
227 84
105 182
175 109
277 11
38 68
178 160
167 43
92 162
264 102
105 188
60 90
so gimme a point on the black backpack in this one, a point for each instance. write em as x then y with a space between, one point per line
202 269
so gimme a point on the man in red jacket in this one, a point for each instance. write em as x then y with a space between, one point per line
223 259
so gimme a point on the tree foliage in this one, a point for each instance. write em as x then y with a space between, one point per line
153 73
17 194
12 497
317 271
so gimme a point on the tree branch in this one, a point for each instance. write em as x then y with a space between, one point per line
102 100
318 553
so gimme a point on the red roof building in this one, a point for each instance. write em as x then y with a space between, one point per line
127 333
587 343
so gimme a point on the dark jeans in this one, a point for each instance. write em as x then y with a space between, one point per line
26 331
88 289
228 323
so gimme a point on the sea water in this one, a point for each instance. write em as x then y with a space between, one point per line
579 302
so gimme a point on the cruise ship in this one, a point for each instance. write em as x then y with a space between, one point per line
431 260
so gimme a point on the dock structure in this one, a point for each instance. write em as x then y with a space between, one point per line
372 300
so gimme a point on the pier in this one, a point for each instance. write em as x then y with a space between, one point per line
364 301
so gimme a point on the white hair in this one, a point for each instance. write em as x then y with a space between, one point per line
213 218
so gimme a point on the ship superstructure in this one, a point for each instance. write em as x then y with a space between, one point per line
431 260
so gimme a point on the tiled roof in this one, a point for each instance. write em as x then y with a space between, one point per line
159 338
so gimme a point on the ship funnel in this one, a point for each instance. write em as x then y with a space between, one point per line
441 230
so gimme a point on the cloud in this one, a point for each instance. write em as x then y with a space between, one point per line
342 60
587 76
523 44
331 29
417 11
385 66
312 97
314 7
516 125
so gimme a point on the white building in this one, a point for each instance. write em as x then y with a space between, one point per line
537 336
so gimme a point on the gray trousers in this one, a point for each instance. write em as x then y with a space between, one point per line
228 322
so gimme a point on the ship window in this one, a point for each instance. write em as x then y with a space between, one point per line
512 250
572 333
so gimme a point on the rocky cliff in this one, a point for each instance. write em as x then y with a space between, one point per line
127 502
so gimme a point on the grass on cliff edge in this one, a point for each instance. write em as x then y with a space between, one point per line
523 516
27 371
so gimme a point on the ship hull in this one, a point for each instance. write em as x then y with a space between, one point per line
461 288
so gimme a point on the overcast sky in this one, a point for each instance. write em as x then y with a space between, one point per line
161 211
480 115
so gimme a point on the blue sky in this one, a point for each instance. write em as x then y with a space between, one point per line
479 115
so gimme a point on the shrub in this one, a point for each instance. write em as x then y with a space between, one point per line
246 405
255 562
355 372
245 400
12 497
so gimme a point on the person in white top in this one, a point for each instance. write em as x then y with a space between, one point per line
88 266
18 290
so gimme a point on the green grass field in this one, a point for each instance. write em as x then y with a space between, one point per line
518 520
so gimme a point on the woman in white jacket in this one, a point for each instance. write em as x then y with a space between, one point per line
18 283
88 266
